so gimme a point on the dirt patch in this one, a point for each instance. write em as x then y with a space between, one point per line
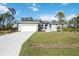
55 46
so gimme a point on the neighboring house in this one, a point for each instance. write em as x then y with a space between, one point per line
34 25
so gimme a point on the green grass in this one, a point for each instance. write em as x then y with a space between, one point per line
51 38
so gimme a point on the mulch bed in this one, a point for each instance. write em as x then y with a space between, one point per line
54 46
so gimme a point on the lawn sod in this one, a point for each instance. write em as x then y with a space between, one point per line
45 39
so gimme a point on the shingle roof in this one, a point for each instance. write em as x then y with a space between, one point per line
37 22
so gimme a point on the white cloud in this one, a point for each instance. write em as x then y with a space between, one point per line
64 4
4 3
48 18
3 9
70 17
34 7
34 4
52 17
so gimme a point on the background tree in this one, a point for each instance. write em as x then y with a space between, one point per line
61 17
10 16
7 19
1 18
27 19
40 25
3 21
74 23
77 21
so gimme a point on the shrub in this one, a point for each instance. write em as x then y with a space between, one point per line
68 29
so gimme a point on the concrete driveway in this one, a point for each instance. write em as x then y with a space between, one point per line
10 44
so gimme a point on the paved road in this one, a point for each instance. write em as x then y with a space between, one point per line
10 44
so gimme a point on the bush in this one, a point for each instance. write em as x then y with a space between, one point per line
68 29
77 29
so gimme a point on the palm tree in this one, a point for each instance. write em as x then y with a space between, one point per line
61 17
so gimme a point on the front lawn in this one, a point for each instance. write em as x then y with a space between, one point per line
51 44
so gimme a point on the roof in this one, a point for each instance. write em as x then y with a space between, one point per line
55 23
37 22
44 22
28 22
52 22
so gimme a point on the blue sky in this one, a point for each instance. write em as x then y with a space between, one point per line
42 10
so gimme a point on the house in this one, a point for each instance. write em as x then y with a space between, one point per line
34 26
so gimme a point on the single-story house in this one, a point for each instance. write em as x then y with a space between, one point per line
34 26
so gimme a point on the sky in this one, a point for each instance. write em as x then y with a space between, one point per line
44 11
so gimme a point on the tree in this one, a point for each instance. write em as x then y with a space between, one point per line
1 18
27 19
77 21
74 21
40 25
15 25
10 17
3 21
12 11
61 17
7 19
54 21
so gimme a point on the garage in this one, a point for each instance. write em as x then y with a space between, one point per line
28 26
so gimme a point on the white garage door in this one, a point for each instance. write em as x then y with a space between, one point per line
28 27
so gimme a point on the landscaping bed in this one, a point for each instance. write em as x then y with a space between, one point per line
51 44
